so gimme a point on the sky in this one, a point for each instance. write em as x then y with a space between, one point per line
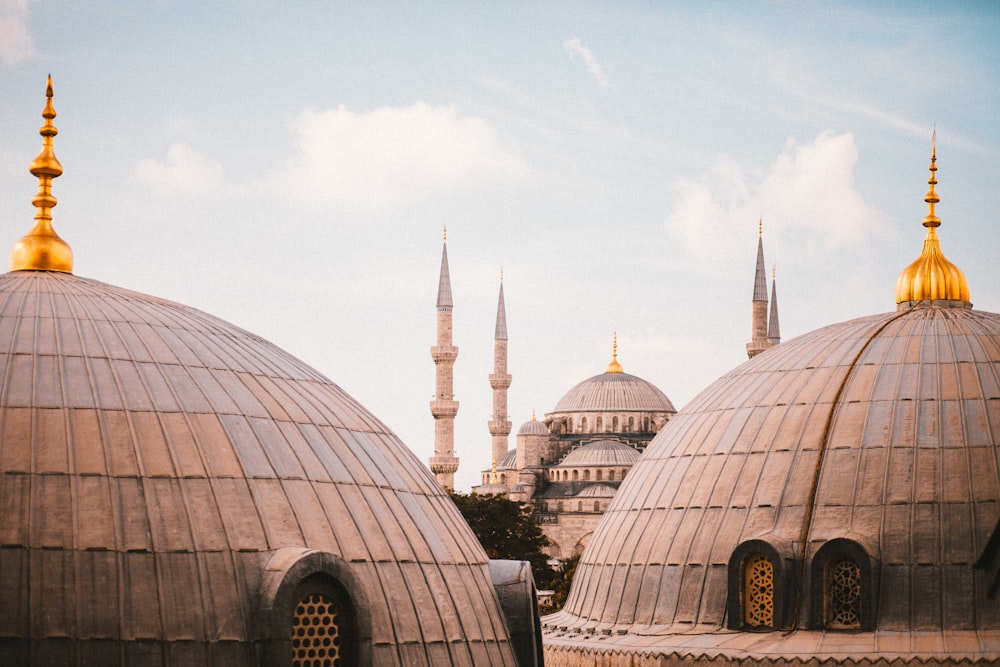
290 168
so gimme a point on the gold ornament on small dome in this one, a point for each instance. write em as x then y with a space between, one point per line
614 366
932 277
41 249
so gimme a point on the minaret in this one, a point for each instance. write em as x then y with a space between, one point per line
42 249
758 340
500 381
444 407
773 328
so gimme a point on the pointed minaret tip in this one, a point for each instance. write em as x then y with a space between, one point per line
444 281
500 333
42 249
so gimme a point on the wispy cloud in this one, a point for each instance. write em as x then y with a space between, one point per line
575 49
16 43
393 157
807 193
185 171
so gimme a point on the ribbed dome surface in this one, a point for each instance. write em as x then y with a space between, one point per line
508 461
596 491
533 427
614 392
159 466
601 453
897 419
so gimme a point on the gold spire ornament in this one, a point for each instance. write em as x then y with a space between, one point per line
614 366
931 277
41 249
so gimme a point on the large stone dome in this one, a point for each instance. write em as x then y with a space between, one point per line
601 453
614 392
844 480
175 489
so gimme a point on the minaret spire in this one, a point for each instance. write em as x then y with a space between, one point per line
444 407
758 338
500 381
614 366
773 328
42 249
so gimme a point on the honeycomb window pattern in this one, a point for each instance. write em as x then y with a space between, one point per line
316 640
758 592
844 594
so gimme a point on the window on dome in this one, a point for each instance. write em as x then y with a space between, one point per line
586 475
843 594
583 424
598 476
569 425
600 424
579 506
560 506
645 423
614 424
611 475
758 592
631 424
597 505
322 625
576 475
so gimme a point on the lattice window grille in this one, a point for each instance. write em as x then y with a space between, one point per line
316 640
844 594
758 592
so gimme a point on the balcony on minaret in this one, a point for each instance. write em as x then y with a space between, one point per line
444 353
500 380
499 426
444 408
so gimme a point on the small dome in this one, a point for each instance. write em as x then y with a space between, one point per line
596 491
509 461
533 427
614 392
491 489
601 453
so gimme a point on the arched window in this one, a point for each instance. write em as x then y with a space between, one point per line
645 423
576 475
586 475
597 505
317 632
611 475
631 424
614 424
600 425
843 594
758 592
583 424
579 506
599 475
560 506
569 424
842 587
758 585
503 478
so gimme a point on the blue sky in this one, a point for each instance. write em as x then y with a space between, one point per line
290 166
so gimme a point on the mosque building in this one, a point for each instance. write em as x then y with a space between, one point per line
570 466
833 500
178 491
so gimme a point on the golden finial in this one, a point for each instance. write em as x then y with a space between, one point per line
533 418
41 249
774 274
501 274
760 226
931 277
445 233
614 366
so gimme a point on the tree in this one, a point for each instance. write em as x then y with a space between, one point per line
507 531
560 585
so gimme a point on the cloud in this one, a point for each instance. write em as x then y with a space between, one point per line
807 195
575 49
390 158
185 171
16 43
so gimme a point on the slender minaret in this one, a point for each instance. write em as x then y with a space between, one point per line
444 407
500 381
758 340
773 328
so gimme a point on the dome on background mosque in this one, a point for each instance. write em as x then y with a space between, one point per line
614 391
830 500
178 490
601 453
533 427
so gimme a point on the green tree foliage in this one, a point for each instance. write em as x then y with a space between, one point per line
560 585
507 531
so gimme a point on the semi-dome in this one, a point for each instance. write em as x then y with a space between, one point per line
596 491
600 453
177 490
846 480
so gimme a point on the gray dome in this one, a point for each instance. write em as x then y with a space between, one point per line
614 392
533 427
509 461
873 441
601 453
596 491
173 485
